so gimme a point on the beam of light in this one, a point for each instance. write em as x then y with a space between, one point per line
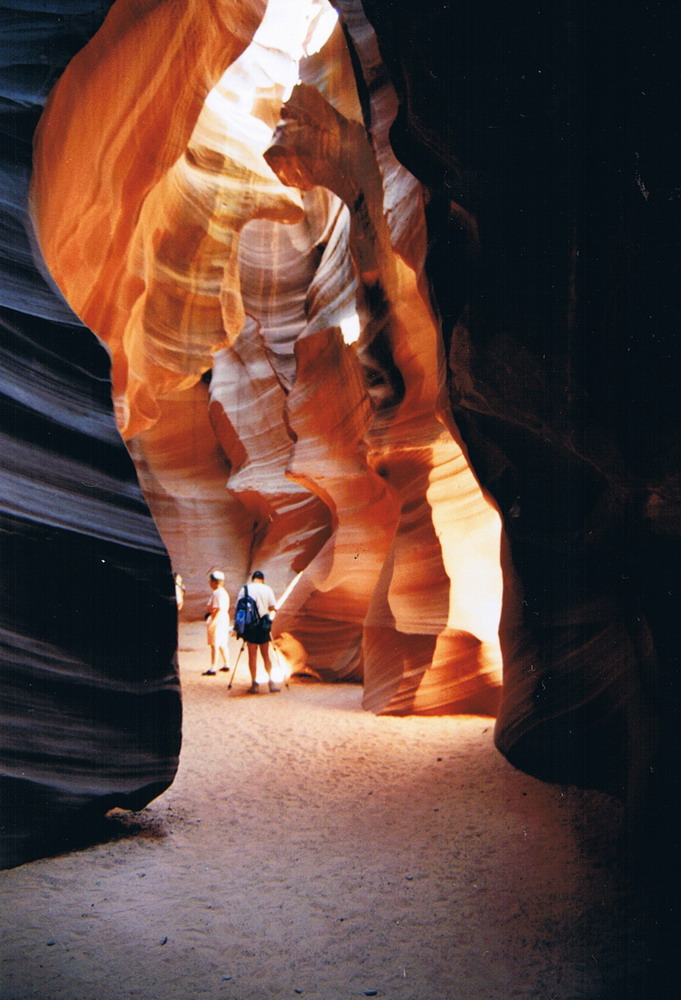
290 31
350 328
288 590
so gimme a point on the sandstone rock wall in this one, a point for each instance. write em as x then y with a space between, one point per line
506 258
241 255
554 255
90 714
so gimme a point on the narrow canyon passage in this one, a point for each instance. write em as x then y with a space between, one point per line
309 848
363 309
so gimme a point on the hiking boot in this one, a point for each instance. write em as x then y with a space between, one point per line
274 688
254 688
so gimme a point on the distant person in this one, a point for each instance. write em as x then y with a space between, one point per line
217 623
258 636
179 591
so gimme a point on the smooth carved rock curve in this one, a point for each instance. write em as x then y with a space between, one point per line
91 711
413 599
190 284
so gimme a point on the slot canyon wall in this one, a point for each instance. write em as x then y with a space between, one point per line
239 251
555 167
91 708
490 196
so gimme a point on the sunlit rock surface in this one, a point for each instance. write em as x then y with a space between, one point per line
286 524
260 237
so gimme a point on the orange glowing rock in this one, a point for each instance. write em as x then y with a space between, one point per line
286 524
248 248
416 598
330 414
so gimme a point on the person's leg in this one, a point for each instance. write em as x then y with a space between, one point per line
224 653
265 650
211 669
253 666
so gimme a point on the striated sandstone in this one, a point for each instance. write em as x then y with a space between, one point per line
507 259
91 710
244 266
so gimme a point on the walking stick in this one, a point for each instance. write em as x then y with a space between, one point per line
243 643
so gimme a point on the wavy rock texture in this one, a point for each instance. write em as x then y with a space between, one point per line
554 255
244 255
321 625
287 524
562 346
416 605
182 471
90 697
522 315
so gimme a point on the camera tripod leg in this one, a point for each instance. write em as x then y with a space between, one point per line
243 644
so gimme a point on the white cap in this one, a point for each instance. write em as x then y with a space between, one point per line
217 575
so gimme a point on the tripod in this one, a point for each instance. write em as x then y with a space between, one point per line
231 679
243 646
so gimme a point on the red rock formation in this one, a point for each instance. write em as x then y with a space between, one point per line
286 524
182 471
545 139
161 289
340 462
413 599
330 414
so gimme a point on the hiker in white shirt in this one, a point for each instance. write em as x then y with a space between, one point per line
217 622
258 636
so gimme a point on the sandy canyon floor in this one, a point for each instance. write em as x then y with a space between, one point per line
309 849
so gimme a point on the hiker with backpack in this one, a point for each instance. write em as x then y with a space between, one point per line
252 623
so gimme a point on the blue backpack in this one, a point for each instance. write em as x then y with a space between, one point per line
245 613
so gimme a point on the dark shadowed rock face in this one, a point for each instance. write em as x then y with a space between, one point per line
90 714
555 159
558 209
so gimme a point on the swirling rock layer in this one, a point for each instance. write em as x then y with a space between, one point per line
508 259
239 260
555 250
90 697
